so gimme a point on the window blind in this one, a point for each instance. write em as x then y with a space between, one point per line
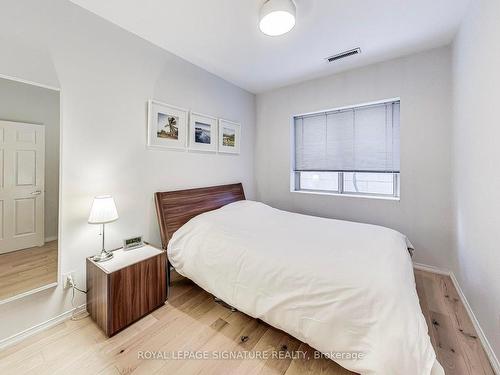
361 139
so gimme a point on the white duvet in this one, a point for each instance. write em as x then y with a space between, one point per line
341 287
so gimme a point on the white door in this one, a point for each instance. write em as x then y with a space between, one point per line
22 179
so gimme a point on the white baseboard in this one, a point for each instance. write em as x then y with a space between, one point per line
50 239
482 337
425 267
28 293
39 327
486 345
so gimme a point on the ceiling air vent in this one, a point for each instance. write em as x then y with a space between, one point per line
344 54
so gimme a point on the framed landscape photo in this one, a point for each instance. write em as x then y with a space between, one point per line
202 132
229 137
167 126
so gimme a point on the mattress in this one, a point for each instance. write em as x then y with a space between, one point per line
346 289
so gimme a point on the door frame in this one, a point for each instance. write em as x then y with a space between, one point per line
58 282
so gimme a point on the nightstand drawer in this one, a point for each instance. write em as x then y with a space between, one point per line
117 299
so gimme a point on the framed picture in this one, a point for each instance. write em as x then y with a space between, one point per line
202 132
167 126
229 137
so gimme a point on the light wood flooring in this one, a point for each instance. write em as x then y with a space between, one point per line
453 336
27 269
190 320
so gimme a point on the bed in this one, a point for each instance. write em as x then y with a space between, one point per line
347 289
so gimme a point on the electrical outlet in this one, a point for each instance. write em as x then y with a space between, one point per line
67 277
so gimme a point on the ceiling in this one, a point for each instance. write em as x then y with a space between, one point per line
222 36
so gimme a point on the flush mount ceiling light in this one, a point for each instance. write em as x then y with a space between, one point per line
277 17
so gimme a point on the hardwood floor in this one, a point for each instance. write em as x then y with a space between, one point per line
453 336
28 269
191 321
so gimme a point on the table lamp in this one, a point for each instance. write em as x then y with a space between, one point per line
103 211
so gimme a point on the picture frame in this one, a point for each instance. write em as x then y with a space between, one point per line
229 137
203 134
167 126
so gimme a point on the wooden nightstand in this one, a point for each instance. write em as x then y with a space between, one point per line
126 288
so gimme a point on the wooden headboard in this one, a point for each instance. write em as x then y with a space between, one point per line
176 208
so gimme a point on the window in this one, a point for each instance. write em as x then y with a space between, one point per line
353 151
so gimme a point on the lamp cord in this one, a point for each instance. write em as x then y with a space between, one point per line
76 315
82 291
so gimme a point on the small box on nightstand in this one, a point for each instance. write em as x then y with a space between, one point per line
125 288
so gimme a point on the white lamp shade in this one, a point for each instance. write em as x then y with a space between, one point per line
277 17
103 210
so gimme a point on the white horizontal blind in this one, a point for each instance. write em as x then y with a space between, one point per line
361 139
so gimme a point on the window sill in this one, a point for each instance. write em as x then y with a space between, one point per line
396 199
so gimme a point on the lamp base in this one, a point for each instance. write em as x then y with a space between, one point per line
103 256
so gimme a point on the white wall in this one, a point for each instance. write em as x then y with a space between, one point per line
106 76
27 103
423 82
476 156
